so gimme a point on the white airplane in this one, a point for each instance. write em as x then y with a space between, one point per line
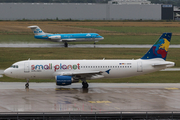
65 38
66 72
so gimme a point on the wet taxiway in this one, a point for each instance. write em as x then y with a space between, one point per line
34 45
47 97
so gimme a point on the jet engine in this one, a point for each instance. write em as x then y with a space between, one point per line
65 80
55 37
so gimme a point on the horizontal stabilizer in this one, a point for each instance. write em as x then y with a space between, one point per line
32 27
163 64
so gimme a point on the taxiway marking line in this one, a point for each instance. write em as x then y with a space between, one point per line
172 88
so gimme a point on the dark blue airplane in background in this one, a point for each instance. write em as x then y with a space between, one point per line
65 38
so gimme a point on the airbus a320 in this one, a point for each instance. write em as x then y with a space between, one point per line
66 72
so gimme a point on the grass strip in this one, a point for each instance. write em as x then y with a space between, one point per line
108 39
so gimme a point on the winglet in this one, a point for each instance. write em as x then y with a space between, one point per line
160 48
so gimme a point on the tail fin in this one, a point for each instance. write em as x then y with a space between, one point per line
160 48
36 30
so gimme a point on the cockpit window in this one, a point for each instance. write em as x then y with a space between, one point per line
14 66
97 35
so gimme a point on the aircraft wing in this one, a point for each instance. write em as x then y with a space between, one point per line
68 40
90 74
79 73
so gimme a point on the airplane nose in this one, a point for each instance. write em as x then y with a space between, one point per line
7 72
102 38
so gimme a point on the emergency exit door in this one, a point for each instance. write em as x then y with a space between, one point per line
139 67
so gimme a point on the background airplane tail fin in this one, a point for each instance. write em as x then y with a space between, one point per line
160 48
36 30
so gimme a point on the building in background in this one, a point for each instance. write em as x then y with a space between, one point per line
123 10
176 13
120 2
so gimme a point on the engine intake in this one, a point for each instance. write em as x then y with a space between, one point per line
65 80
57 37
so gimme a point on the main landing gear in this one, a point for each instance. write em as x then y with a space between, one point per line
94 44
85 84
27 84
65 44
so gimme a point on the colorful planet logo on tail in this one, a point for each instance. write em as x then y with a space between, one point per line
160 48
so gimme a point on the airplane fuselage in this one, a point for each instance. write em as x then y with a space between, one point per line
48 69
71 37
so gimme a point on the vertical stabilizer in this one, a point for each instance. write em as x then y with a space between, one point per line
36 30
160 48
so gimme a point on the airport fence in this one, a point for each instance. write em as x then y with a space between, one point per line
100 115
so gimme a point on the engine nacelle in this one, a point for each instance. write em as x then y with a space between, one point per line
57 37
65 80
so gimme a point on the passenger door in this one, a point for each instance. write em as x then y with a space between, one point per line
26 67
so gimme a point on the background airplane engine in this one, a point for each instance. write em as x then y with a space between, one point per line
65 80
57 37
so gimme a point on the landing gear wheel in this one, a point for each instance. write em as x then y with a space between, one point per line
65 44
27 85
85 85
